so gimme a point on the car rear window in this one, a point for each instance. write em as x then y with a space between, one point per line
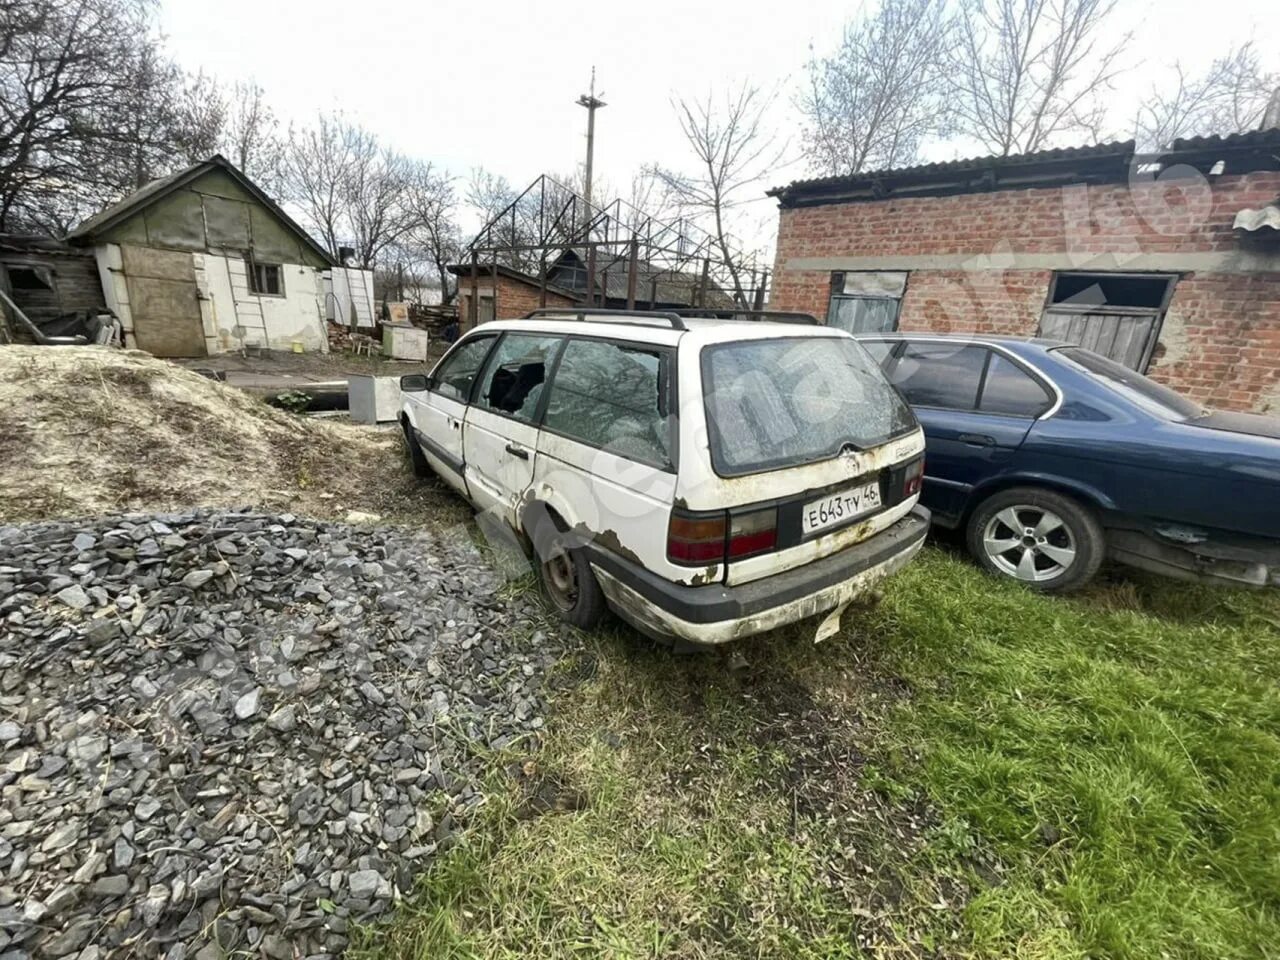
793 400
1150 396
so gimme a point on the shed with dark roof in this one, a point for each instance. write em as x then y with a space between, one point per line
203 261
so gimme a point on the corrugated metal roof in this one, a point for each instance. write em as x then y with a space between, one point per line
1252 150
1263 219
1250 138
1120 150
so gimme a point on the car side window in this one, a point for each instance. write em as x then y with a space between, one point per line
512 381
940 374
614 396
1011 391
456 372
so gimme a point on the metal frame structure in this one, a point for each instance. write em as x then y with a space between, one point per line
548 220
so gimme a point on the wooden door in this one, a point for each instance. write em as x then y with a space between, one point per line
164 302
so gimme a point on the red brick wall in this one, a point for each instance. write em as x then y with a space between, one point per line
515 298
1221 337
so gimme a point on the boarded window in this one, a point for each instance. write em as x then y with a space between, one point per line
1114 314
266 279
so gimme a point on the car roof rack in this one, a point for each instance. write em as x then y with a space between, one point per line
587 315
732 313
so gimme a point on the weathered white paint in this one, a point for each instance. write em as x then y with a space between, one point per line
114 289
238 315
622 504
230 314
347 292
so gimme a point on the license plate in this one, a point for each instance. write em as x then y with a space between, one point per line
833 510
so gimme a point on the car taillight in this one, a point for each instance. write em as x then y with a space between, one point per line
752 533
913 478
695 539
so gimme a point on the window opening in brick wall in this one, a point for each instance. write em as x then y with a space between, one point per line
1117 315
866 301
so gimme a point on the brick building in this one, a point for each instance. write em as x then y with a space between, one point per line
1170 264
503 292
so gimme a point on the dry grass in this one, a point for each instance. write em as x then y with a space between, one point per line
88 431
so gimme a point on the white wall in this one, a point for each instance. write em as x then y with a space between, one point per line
230 314
233 315
347 287
114 290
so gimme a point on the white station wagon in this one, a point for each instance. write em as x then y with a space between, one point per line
705 479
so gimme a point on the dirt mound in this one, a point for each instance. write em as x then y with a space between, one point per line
86 431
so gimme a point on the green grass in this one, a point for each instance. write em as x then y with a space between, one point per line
967 769
1119 751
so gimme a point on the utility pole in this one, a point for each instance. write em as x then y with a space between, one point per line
592 103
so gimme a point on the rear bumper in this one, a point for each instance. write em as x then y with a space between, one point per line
716 613
1223 559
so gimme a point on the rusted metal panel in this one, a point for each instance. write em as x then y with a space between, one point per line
157 264
164 302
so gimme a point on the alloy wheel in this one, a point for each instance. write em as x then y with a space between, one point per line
1029 543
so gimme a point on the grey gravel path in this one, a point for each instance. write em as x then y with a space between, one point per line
237 732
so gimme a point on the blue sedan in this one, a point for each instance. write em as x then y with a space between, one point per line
1050 458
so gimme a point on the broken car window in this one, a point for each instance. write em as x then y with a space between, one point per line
786 401
513 378
608 395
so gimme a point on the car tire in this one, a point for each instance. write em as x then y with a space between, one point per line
1051 542
417 459
566 577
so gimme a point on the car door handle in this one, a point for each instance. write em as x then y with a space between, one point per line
978 439
456 424
515 451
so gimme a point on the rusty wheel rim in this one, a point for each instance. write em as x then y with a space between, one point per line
561 577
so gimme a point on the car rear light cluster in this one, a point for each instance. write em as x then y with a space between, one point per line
913 478
698 539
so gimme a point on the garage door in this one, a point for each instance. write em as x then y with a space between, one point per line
164 302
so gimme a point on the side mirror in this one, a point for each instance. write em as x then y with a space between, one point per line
413 383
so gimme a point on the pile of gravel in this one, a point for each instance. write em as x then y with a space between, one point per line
230 731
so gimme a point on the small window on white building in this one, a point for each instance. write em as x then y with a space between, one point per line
866 301
266 279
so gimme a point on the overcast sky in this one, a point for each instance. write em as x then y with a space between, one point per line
493 83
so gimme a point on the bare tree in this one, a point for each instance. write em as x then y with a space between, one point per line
315 166
1027 71
881 92
373 192
432 232
250 137
734 152
64 66
488 193
1230 97
508 222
